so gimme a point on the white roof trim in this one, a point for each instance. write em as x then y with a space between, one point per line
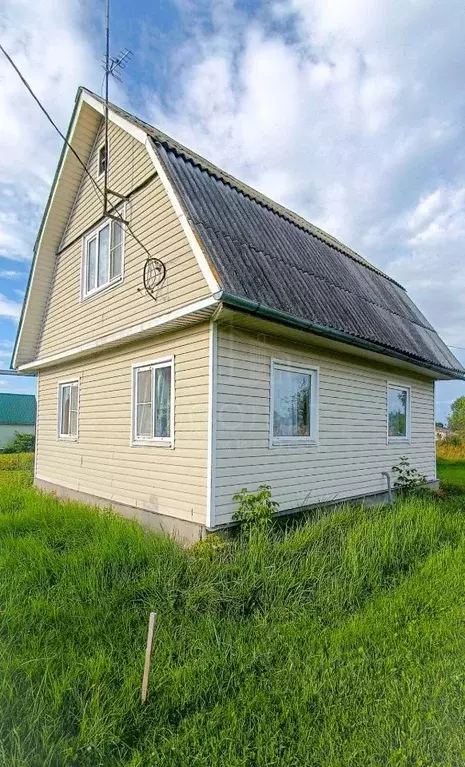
38 244
163 322
188 231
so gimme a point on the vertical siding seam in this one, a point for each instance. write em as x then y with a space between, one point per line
211 448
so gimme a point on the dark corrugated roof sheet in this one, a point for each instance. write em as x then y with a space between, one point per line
18 409
265 253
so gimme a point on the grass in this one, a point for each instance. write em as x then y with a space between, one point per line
337 643
451 466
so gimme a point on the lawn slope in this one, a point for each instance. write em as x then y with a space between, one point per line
340 643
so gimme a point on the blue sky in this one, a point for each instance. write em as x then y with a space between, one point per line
350 113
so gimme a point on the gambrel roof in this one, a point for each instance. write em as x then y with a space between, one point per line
268 260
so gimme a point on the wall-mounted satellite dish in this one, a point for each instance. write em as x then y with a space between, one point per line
154 274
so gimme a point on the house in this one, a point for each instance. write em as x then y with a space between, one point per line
17 413
443 432
215 340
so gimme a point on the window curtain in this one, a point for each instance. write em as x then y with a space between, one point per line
144 403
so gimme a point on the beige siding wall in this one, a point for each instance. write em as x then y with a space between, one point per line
70 321
352 450
102 462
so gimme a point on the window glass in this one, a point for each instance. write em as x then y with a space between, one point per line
103 255
144 403
153 401
91 264
292 396
68 411
398 412
162 401
73 412
116 250
65 409
102 160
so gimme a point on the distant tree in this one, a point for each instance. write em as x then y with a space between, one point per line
457 417
439 425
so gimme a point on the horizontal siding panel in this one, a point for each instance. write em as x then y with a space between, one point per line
352 449
155 224
102 462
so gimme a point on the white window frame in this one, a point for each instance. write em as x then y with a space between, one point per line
137 441
102 146
85 294
313 372
61 386
408 389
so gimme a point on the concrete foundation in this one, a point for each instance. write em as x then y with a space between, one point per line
183 531
191 532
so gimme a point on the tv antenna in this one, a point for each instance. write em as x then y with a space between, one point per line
154 271
113 66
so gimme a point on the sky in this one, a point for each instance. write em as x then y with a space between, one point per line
350 113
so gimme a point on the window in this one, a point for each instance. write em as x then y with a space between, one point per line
398 413
102 159
68 405
103 257
294 392
153 413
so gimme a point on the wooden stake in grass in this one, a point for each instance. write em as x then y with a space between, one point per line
148 655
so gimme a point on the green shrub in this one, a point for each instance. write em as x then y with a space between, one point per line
256 510
21 443
408 478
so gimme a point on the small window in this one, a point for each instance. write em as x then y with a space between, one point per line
68 406
153 402
398 413
103 257
293 403
102 159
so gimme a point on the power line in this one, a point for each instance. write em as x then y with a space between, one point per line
49 118
63 137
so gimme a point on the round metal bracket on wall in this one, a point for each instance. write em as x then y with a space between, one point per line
154 274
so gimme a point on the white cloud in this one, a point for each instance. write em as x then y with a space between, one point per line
10 274
52 47
350 113
9 309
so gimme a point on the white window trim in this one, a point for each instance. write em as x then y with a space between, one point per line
314 373
408 389
101 175
90 236
135 441
61 384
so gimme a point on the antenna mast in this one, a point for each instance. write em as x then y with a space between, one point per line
111 66
107 76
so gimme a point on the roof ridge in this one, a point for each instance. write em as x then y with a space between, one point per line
249 191
15 394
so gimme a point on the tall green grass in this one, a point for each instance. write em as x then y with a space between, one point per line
337 643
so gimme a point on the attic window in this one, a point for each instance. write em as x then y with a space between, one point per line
103 256
102 159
